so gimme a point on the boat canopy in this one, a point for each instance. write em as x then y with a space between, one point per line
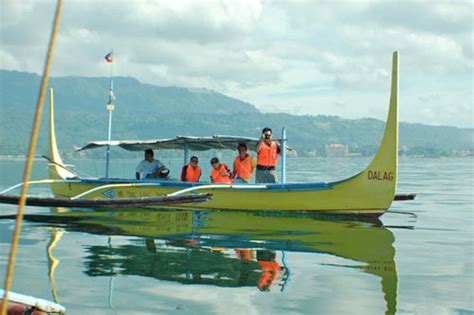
179 143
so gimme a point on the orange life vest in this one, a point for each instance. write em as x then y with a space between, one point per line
216 176
190 174
270 271
267 155
244 168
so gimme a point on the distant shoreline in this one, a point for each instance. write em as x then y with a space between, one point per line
38 158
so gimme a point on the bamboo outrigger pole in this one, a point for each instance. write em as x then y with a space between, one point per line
31 153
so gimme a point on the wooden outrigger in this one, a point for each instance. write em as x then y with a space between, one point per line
107 203
369 193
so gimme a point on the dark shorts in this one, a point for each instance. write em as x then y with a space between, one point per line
266 176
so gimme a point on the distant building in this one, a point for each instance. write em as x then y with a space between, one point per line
336 150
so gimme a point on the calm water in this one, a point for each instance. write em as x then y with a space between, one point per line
417 259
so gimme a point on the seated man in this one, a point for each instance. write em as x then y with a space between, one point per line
244 165
151 168
220 172
191 172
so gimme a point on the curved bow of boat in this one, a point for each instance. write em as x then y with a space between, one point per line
54 168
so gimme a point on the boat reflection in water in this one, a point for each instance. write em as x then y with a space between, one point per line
230 249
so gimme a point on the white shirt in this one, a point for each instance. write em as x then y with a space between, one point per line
145 168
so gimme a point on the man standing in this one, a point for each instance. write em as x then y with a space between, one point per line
149 167
191 172
267 157
244 165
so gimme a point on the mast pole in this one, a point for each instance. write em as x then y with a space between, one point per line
110 108
186 153
283 155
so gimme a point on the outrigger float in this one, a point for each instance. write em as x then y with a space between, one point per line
369 193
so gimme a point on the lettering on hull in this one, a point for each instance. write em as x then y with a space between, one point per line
138 194
380 175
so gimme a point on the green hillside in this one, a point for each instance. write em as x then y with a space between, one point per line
146 112
19 91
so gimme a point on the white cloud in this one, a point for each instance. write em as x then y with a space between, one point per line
298 56
8 61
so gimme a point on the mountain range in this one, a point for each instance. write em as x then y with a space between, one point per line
145 111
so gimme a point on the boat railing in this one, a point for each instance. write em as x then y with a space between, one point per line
174 194
39 182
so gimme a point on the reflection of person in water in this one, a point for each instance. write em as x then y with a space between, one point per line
245 254
270 269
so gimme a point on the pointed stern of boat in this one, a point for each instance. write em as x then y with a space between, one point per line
54 168
385 163
374 187
381 174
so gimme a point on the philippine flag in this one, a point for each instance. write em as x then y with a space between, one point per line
109 56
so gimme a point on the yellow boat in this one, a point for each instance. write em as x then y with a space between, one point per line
227 248
369 193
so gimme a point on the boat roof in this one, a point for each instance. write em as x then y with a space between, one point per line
179 143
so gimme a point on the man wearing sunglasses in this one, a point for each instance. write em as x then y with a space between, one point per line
191 172
267 157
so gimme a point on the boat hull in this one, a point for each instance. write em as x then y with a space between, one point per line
336 198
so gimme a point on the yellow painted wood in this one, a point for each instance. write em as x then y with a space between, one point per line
55 172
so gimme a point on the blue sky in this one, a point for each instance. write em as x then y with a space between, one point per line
301 57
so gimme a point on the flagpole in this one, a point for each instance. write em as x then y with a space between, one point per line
110 108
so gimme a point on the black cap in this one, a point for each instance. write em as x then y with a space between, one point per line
267 129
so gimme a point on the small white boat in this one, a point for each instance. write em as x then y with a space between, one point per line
25 304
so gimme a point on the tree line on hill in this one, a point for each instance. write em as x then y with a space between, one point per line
149 112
